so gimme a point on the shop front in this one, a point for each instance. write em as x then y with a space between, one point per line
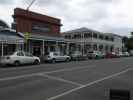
10 41
40 45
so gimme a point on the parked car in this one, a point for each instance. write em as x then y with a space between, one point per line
19 57
119 54
77 55
56 56
95 55
131 52
111 55
126 54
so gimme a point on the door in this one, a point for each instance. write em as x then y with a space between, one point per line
29 58
36 51
20 57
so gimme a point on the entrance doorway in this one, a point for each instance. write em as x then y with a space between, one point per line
36 51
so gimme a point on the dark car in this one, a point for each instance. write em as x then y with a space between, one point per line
111 55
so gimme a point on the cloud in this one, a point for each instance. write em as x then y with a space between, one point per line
102 15
6 2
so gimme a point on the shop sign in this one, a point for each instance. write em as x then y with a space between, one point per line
26 36
40 28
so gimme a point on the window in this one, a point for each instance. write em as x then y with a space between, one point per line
100 47
106 38
67 36
95 35
112 39
56 54
76 36
87 35
28 54
20 54
101 37
95 47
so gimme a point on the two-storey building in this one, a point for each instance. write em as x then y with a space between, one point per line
84 40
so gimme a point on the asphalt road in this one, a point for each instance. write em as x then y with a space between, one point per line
79 80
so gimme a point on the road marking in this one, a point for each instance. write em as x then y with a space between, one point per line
17 77
34 74
60 79
69 69
89 84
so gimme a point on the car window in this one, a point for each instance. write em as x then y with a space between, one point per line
55 54
28 54
20 54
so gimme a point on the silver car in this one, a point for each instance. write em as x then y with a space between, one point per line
18 58
56 56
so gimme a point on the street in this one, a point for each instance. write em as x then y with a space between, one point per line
75 80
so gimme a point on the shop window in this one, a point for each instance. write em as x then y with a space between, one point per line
100 47
112 48
106 48
95 47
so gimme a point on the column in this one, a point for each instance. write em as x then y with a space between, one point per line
98 47
43 48
2 51
57 47
67 48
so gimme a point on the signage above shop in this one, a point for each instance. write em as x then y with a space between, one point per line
40 28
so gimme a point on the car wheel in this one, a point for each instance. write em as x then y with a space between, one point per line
53 60
16 63
36 62
67 60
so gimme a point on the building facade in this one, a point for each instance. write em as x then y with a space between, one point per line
44 31
85 40
10 40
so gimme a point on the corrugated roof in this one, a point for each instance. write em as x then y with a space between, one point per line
80 30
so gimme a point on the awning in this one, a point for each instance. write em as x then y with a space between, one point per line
47 38
10 37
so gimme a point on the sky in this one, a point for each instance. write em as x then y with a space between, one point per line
110 16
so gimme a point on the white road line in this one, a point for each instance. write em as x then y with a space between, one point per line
17 77
60 79
34 74
69 69
89 84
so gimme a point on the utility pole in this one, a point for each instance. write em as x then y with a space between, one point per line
27 39
30 4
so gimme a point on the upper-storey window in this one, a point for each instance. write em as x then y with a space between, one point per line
112 39
106 38
87 35
76 36
95 35
67 36
101 37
